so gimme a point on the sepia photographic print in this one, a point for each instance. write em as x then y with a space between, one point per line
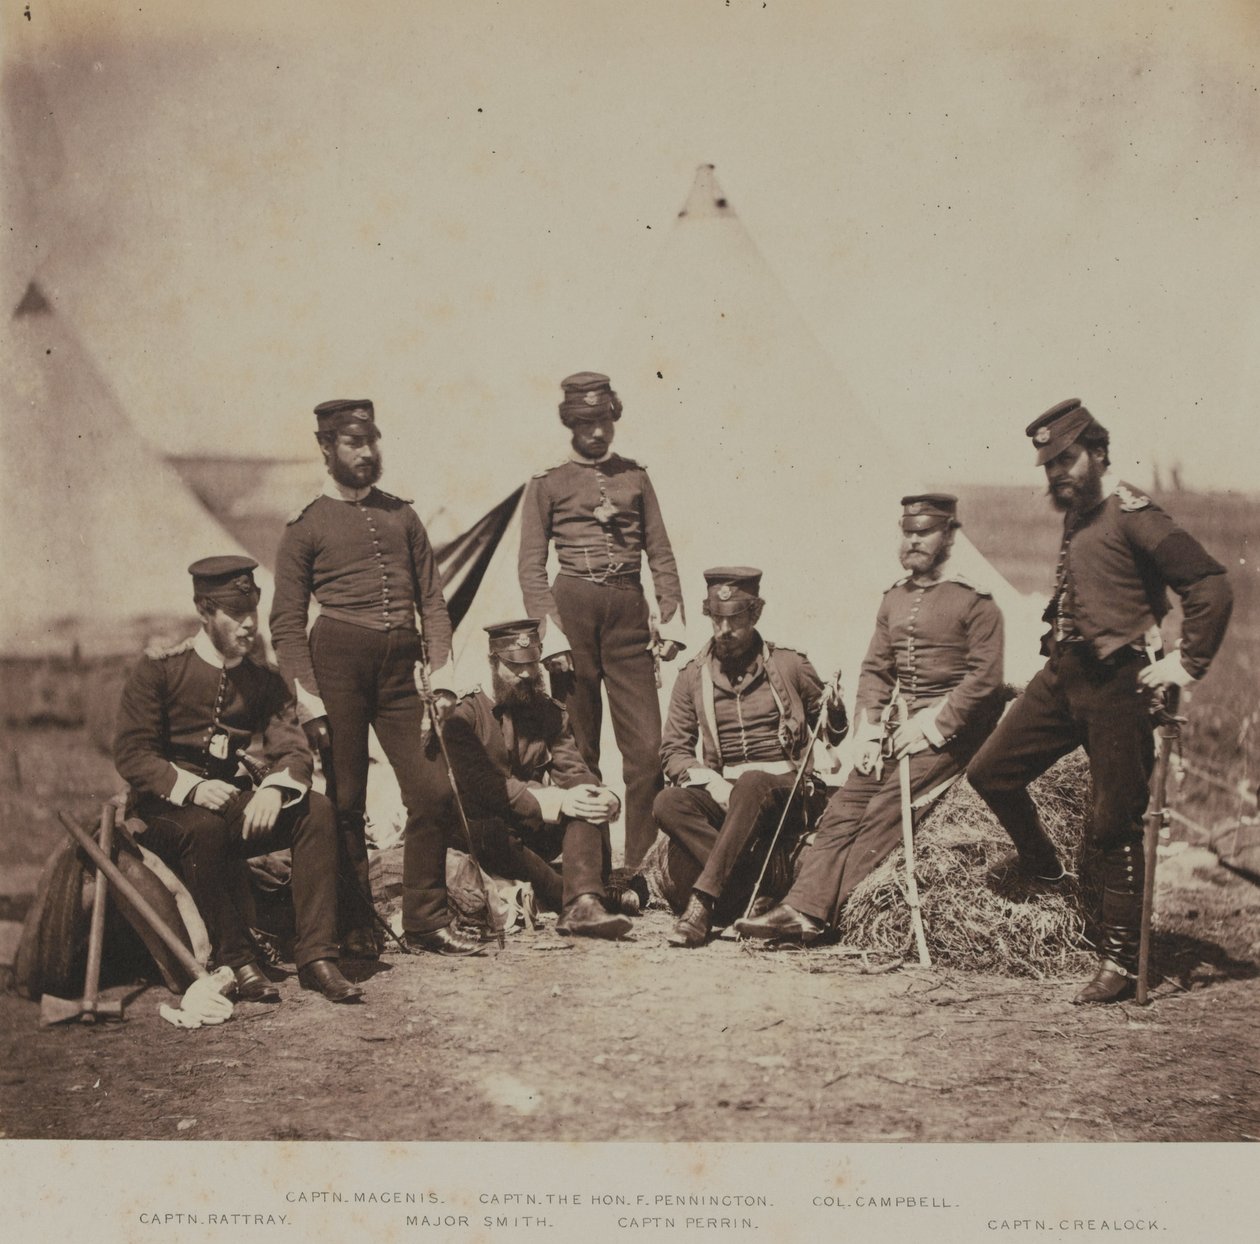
629 621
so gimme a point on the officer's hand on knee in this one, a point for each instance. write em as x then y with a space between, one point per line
261 812
212 794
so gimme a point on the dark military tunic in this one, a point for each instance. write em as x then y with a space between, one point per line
596 609
1116 563
512 765
369 564
183 718
940 646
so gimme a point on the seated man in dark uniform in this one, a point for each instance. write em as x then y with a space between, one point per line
187 715
739 724
528 795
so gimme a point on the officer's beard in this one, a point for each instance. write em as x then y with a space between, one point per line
1069 496
362 476
520 693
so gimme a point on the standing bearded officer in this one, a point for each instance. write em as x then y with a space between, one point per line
937 649
600 511
187 715
1119 555
365 557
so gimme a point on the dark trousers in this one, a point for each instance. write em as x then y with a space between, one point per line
527 853
719 842
608 630
1074 701
200 846
367 678
861 828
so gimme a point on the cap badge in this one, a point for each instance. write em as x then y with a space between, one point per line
522 640
724 592
591 399
1042 436
243 583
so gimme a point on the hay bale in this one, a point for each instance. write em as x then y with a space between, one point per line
979 912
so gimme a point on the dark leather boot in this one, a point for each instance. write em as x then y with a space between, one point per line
324 976
781 923
692 928
1038 857
253 986
586 916
447 940
1120 926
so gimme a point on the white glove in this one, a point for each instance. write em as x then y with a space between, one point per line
1166 670
203 1001
867 757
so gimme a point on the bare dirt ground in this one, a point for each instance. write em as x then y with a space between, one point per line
548 1039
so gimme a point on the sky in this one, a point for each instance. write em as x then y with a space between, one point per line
978 208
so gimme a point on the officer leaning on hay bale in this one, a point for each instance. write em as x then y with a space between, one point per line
1119 554
937 650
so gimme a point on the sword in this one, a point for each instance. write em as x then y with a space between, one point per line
1168 731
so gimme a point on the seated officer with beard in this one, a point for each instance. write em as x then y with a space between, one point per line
528 795
738 728
938 646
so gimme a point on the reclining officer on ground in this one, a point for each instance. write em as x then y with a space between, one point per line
528 795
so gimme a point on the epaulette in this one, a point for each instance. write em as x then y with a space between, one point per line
390 496
288 522
630 462
1130 499
773 647
160 651
548 470
962 579
905 578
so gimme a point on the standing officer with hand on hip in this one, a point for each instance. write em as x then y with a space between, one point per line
365 557
1119 555
600 510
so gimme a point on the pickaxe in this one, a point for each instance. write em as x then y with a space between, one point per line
89 1008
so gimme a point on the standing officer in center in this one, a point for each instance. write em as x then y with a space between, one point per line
600 510
365 557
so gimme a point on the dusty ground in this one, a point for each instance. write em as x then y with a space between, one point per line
638 1041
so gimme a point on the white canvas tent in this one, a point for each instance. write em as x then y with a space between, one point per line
760 455
96 528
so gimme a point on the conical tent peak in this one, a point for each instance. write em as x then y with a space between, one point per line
706 197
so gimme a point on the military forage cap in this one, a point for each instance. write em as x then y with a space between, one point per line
1054 431
588 395
226 581
355 415
732 589
517 643
928 511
